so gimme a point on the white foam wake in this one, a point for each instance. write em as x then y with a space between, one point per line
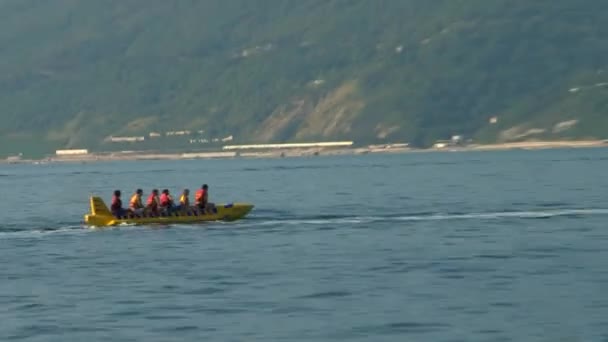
545 214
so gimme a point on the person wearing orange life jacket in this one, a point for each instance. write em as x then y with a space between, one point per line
202 200
153 202
199 196
166 202
116 206
135 204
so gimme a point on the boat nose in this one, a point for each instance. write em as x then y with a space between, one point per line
245 208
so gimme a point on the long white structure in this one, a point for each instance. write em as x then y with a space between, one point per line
124 139
71 152
209 155
292 145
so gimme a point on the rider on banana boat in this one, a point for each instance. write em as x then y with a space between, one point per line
116 206
167 205
153 202
202 200
135 204
184 201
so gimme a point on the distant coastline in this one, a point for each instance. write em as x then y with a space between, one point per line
541 145
304 152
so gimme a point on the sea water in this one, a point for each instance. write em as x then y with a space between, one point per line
475 246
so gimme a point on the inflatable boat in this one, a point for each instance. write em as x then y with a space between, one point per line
100 215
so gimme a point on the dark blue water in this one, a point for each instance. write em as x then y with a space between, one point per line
501 246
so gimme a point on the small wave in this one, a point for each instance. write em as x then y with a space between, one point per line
402 327
328 294
85 173
552 204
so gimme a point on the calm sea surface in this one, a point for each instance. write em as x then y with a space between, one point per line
501 246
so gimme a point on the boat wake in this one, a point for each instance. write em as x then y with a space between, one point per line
24 232
336 219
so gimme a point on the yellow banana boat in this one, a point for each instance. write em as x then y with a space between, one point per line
100 215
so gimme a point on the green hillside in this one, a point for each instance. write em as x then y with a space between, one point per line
74 72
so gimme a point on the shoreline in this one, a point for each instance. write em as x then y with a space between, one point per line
310 152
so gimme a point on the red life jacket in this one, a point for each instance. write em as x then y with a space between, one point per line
200 196
164 200
152 200
116 203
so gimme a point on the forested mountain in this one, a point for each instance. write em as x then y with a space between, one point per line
74 72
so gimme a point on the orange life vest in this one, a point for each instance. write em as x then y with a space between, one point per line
135 202
200 196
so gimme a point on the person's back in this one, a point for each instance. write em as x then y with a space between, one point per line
153 202
184 200
135 204
116 206
202 200
170 200
200 197
164 199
